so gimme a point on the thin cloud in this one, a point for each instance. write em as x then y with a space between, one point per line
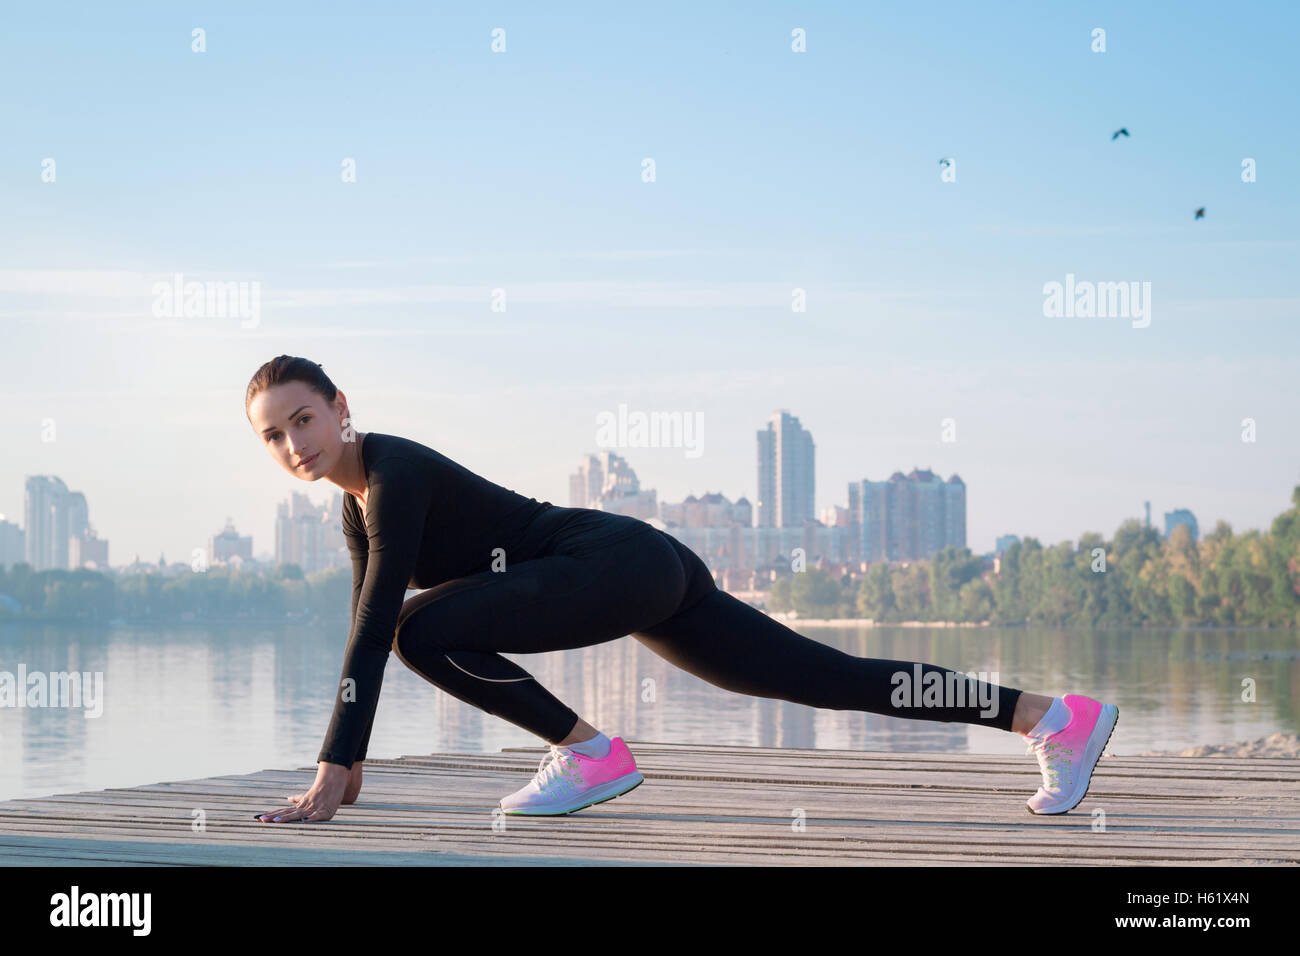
77 282
1040 231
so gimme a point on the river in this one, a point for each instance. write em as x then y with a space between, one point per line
185 702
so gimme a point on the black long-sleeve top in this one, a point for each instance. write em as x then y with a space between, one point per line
428 520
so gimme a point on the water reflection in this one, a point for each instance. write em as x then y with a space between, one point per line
186 703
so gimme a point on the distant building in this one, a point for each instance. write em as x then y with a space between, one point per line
712 510
907 518
88 551
786 470
58 534
45 498
606 482
1180 516
310 535
738 550
836 516
143 567
11 544
229 544
1004 542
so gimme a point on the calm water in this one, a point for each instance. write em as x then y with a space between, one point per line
186 702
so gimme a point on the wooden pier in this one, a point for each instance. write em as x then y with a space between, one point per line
698 805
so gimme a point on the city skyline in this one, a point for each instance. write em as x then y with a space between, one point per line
885 526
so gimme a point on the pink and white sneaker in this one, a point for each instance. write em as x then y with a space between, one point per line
1068 756
567 781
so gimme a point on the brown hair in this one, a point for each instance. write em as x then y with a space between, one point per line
289 368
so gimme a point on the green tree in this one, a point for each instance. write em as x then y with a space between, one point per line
778 598
950 570
876 593
815 593
911 586
976 601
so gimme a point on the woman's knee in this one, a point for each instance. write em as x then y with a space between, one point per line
426 612
415 620
397 642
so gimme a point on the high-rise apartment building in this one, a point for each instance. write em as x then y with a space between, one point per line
786 472
58 535
908 517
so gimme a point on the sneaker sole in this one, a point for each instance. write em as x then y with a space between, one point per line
1106 708
601 794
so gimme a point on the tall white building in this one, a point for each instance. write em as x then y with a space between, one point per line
58 533
786 473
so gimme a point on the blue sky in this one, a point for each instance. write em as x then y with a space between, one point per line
774 170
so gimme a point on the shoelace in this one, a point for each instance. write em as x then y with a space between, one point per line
1057 763
555 765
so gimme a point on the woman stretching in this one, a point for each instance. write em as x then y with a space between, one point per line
501 573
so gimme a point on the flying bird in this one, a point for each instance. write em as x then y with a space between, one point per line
946 161
1122 131
1200 213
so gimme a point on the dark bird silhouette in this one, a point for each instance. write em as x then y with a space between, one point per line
1122 131
1200 213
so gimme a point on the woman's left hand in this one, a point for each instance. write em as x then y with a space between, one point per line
319 803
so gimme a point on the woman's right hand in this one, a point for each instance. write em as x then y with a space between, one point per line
354 784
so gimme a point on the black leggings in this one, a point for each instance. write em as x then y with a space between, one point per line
649 585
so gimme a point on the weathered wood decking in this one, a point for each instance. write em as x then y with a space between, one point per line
698 805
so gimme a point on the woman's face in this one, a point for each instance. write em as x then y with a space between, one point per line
300 429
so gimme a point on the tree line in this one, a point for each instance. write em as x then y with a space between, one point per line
220 593
1136 579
